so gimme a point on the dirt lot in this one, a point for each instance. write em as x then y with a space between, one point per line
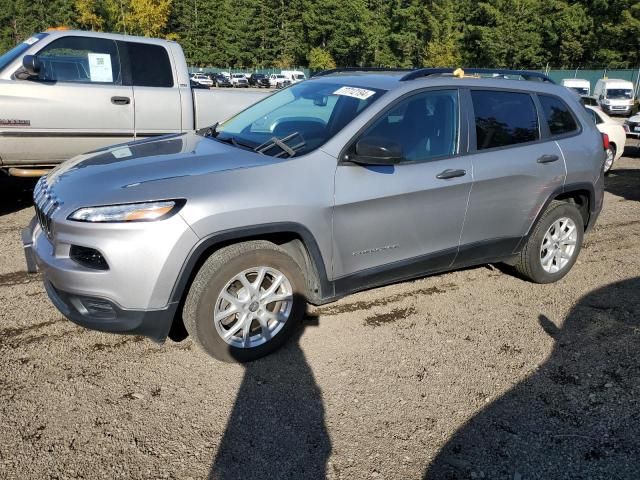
471 374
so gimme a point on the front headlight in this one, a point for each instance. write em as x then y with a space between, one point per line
606 102
130 212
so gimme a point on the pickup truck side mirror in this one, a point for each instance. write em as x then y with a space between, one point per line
376 151
31 66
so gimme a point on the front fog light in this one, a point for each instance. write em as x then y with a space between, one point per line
130 212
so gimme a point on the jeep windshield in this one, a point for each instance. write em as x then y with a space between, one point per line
297 120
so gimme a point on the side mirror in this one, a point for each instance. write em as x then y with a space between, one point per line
31 65
377 151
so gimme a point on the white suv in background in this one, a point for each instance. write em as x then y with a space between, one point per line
278 80
202 79
239 80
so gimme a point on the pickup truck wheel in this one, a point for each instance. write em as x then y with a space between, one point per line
553 247
245 301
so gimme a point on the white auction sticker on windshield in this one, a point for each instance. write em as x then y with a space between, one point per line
359 93
31 40
122 152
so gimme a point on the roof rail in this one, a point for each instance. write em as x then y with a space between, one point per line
525 74
360 69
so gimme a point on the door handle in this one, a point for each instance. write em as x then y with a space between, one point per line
451 173
548 158
120 100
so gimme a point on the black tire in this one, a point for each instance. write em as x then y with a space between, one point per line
610 151
529 264
213 276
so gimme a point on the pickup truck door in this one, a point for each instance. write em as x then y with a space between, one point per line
158 98
77 104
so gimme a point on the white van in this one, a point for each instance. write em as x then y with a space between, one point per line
614 96
579 85
294 75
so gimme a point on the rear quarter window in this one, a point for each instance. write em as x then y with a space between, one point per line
558 115
150 65
504 118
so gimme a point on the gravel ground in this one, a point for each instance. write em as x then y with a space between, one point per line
470 374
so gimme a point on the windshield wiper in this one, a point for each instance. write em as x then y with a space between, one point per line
281 143
211 132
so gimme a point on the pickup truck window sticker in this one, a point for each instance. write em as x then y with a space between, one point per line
100 67
31 40
359 93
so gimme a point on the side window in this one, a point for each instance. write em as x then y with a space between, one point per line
80 59
504 118
424 125
150 65
558 115
596 118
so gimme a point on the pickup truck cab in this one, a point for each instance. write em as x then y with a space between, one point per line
278 80
70 92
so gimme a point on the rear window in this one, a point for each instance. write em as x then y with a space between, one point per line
150 65
504 118
558 115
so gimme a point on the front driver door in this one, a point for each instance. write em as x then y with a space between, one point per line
77 104
394 222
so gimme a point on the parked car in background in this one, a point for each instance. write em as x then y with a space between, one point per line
614 131
278 80
344 182
615 97
197 85
294 76
239 80
219 80
632 129
259 80
69 92
579 85
202 78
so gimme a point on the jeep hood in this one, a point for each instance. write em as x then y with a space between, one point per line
105 174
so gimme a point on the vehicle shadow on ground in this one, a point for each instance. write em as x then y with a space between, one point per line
577 416
277 427
15 193
624 183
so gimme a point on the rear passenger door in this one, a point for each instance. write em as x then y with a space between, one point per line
516 167
157 97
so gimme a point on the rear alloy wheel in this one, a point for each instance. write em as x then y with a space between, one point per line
554 245
609 159
245 301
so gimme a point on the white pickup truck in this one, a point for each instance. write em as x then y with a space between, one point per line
63 93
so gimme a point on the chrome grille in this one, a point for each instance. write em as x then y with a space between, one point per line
45 204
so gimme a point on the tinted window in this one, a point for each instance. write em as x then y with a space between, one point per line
558 115
150 65
504 118
425 126
19 49
80 59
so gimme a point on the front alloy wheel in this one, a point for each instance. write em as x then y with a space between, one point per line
245 301
253 307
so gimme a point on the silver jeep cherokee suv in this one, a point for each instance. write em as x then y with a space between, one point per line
348 181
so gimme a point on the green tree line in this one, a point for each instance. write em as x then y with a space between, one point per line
391 33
